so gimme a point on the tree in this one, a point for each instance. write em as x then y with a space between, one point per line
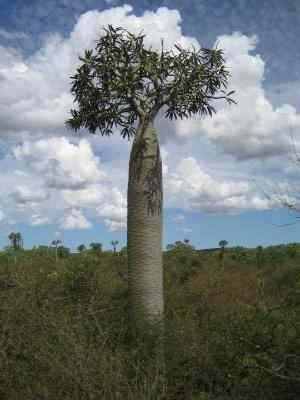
259 256
114 244
16 240
63 251
96 246
222 244
13 240
81 248
123 83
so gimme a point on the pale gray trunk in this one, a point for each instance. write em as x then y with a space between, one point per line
144 229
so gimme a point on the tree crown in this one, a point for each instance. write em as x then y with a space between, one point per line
223 243
124 82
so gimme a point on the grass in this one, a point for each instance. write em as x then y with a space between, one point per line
232 332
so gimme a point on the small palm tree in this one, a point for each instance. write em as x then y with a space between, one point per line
114 244
16 242
19 240
13 240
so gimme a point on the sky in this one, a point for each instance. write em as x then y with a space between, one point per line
225 177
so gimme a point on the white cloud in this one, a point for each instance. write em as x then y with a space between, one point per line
114 211
91 196
74 219
114 226
35 92
191 185
26 195
52 173
37 220
62 164
253 128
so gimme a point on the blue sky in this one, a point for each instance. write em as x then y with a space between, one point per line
216 171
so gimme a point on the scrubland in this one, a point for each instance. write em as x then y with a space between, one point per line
232 327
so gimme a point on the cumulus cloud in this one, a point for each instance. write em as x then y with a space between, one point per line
35 92
26 195
90 196
35 101
200 191
74 219
254 128
37 220
63 165
114 211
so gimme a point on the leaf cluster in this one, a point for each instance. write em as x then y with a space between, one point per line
124 82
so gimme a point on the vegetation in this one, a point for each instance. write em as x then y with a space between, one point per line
232 333
16 240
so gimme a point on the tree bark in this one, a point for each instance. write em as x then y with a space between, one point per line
144 231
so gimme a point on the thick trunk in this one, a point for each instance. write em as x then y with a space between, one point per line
144 229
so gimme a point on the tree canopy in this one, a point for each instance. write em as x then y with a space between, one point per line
124 82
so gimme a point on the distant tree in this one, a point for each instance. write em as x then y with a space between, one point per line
114 244
16 240
259 256
96 246
222 244
63 251
13 240
19 240
81 248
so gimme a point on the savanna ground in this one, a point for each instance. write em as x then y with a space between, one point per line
233 328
